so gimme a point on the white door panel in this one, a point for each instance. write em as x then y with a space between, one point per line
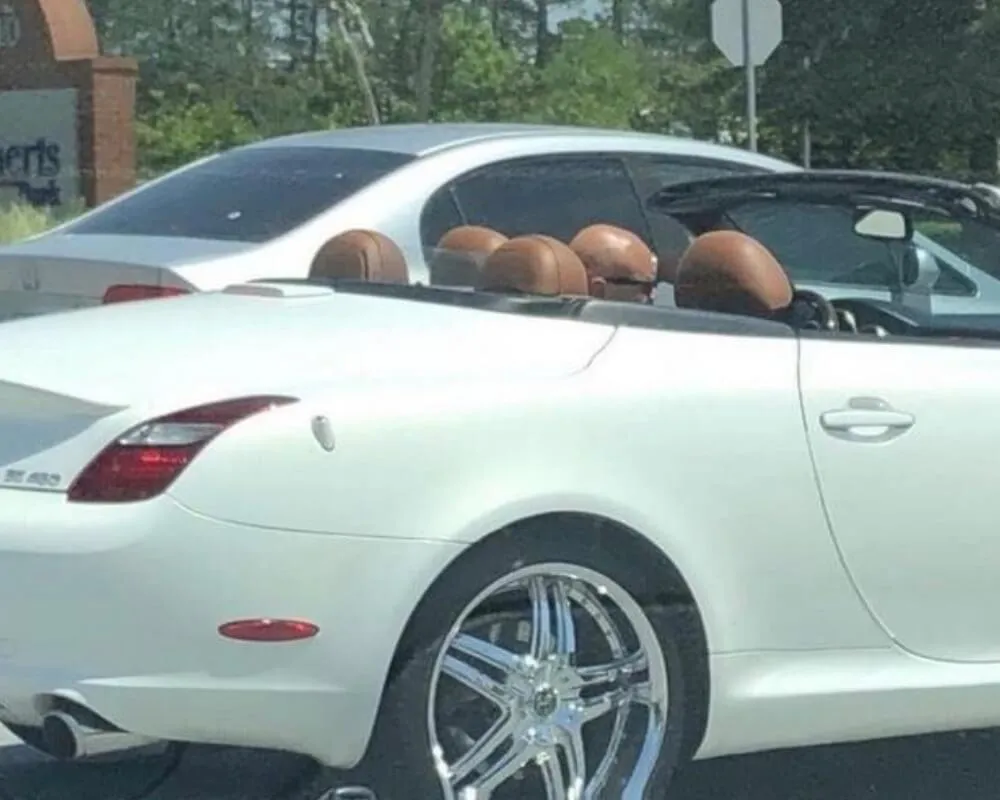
906 437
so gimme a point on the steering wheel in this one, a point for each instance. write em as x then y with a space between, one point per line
812 311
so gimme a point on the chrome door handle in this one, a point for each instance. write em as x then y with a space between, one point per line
867 419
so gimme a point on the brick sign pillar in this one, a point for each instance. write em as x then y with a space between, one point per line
67 113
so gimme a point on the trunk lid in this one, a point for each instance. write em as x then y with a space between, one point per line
73 382
58 271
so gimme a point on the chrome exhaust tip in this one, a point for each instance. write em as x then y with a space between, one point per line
350 793
68 739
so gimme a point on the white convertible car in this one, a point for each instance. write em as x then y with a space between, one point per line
513 542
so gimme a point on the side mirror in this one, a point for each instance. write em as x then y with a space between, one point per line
884 225
918 274
920 270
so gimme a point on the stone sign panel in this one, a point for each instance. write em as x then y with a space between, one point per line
39 158
67 113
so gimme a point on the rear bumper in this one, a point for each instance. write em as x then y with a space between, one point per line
117 608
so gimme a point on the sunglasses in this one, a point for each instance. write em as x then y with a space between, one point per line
632 283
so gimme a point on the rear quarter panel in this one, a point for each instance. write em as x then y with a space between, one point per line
694 440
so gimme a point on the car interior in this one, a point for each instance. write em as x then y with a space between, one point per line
607 275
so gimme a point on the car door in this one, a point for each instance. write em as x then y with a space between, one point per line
905 435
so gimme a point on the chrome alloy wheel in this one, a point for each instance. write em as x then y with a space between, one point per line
551 684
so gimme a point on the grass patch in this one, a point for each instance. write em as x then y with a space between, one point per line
20 221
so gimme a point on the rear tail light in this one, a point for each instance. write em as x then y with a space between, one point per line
124 292
145 460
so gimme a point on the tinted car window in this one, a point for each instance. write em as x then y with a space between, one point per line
817 243
251 195
969 240
653 172
439 216
554 196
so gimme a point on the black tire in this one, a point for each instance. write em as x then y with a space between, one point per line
398 765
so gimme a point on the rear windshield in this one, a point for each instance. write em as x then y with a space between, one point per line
251 195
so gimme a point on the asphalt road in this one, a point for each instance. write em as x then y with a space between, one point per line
960 767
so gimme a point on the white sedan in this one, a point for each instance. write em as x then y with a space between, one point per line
264 210
507 543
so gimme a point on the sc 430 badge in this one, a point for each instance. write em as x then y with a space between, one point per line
34 480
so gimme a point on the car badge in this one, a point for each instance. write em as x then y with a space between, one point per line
323 431
29 279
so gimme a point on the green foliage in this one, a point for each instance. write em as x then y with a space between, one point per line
180 132
904 84
21 221
592 79
478 79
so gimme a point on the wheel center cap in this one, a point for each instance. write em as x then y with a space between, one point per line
545 702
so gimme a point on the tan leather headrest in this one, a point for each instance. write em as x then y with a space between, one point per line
731 272
535 265
472 239
614 253
461 253
361 255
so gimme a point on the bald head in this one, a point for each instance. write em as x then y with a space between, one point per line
619 264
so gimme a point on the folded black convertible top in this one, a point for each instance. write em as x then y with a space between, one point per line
861 189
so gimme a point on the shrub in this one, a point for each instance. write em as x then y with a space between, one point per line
19 220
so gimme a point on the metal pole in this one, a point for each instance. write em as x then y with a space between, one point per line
751 78
806 127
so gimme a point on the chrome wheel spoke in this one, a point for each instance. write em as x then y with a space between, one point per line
615 672
515 759
565 644
477 756
576 763
471 676
553 631
595 788
597 707
473 647
552 776
546 702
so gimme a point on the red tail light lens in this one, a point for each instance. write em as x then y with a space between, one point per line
125 292
145 460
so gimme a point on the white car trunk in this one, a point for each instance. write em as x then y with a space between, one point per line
58 272
33 285
71 383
